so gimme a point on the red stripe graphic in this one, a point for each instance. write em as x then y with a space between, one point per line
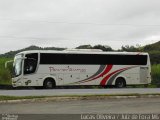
103 82
108 68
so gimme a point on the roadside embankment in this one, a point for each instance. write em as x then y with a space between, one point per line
19 99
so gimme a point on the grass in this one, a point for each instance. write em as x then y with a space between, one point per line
76 97
2 98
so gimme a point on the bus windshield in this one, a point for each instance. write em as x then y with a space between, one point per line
17 65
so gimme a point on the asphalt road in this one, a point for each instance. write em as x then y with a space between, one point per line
134 105
61 92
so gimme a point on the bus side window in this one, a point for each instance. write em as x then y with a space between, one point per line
29 66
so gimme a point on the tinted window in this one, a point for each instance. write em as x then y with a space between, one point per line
48 58
30 63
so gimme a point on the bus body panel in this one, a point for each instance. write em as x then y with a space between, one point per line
84 74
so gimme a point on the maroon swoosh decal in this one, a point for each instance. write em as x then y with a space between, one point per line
103 82
97 73
108 68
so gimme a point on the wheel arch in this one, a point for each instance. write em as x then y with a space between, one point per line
120 76
49 77
120 82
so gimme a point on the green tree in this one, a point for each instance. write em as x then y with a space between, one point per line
84 47
131 48
102 47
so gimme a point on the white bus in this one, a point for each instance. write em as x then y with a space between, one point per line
63 68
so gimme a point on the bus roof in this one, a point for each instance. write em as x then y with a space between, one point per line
82 52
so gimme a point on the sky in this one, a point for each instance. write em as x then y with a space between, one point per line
70 23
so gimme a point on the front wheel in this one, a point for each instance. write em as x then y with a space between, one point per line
120 83
49 84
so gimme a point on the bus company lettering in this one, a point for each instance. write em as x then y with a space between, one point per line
67 69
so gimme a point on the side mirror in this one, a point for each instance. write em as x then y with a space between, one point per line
6 63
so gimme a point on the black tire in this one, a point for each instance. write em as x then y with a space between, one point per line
146 85
49 83
120 82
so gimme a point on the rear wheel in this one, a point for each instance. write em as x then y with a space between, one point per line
120 83
49 83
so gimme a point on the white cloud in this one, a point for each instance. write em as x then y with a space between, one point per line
70 23
151 39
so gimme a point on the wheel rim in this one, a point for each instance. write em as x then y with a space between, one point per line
49 84
120 84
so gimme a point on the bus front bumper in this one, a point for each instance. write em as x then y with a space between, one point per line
16 83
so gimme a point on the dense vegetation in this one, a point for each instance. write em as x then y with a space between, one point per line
152 49
11 54
156 75
5 75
